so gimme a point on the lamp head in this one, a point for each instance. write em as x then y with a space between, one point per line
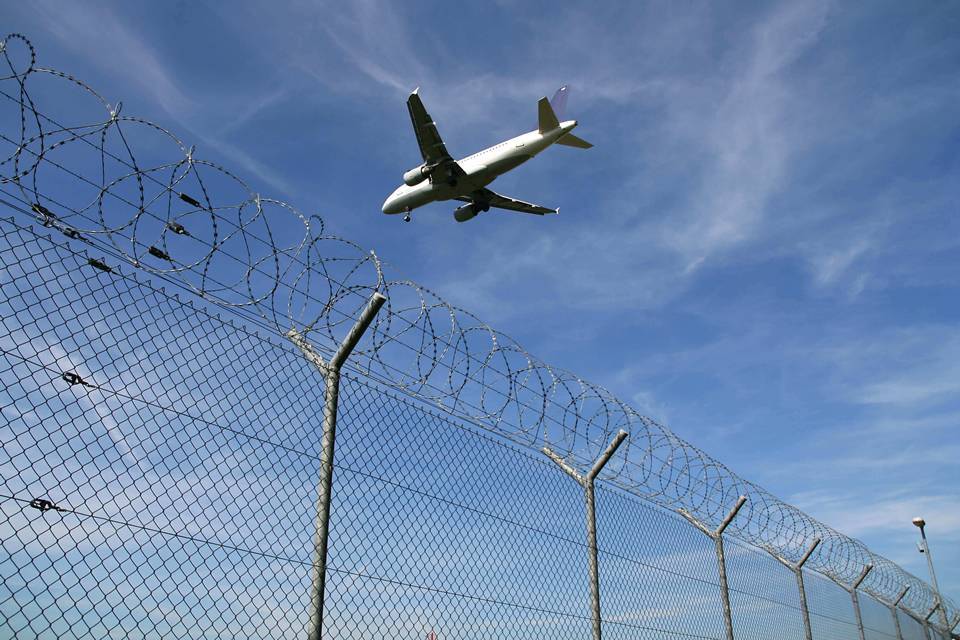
919 522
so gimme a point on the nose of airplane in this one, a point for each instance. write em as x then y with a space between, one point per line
387 206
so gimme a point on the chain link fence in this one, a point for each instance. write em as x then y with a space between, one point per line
172 385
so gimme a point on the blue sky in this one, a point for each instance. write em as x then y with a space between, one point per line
761 251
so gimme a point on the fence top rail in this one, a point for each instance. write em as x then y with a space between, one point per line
133 189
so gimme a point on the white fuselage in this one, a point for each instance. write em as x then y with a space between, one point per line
481 168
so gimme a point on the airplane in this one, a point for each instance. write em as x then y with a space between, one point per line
440 177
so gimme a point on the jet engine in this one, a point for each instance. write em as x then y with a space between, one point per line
466 212
417 175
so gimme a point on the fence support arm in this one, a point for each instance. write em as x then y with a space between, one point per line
730 516
604 458
717 535
331 377
570 471
587 482
806 556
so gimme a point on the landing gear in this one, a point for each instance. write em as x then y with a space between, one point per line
406 217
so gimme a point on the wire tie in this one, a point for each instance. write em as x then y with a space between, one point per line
48 216
178 228
70 232
44 505
190 201
159 253
72 378
97 264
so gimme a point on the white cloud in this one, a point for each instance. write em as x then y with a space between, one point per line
882 513
748 137
922 367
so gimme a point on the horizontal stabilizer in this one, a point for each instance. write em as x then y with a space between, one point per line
573 141
546 118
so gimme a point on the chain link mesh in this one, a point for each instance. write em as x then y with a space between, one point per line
161 436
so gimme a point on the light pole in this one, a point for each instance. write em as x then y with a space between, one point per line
920 523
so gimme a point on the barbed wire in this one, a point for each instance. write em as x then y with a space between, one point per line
133 188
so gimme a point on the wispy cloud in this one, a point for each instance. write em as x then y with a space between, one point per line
126 52
749 138
922 384
907 368
93 27
376 41
883 513
634 249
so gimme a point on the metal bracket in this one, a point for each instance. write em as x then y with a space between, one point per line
42 505
73 378
177 228
47 215
598 464
189 200
900 597
863 576
157 252
100 264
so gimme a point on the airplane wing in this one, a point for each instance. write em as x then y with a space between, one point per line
431 144
503 202
432 149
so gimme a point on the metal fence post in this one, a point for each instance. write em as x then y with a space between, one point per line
717 535
926 618
894 607
854 595
331 377
920 621
797 569
587 483
852 590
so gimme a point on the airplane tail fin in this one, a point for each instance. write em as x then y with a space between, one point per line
559 102
573 141
546 118
549 113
